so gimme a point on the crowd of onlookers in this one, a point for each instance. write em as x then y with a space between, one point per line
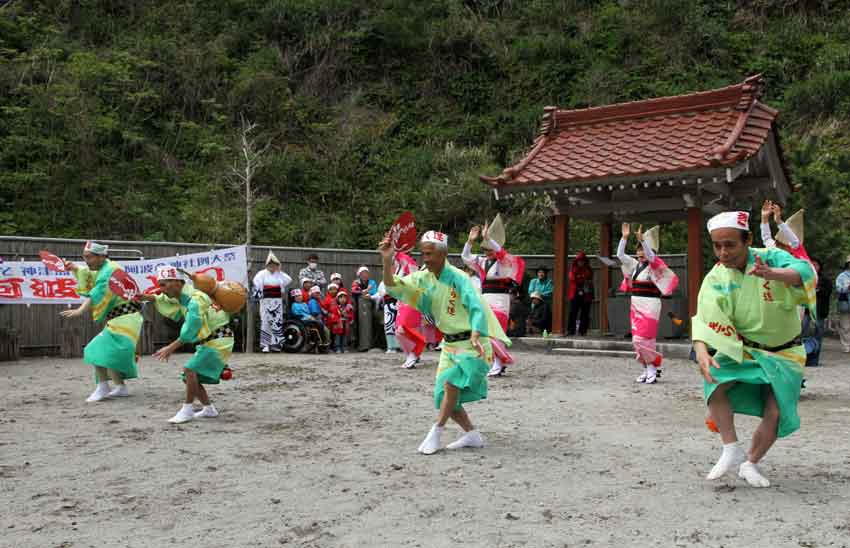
337 307
340 308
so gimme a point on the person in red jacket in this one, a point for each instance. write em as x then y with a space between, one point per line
341 317
329 302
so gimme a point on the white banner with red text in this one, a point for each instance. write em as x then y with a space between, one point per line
30 282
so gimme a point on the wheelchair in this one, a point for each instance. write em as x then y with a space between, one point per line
301 336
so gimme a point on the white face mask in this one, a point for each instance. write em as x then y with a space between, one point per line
312 265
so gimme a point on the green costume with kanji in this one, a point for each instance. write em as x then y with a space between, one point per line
735 310
456 307
115 346
201 319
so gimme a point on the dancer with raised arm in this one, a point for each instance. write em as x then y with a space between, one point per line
499 271
445 294
646 279
747 314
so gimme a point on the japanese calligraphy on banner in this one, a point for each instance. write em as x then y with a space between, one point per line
30 282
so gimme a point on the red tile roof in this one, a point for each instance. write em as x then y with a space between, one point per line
663 136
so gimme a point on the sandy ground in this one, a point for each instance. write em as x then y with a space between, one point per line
321 451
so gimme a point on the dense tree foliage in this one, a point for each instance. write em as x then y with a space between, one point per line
119 118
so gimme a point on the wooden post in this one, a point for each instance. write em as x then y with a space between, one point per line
605 276
695 262
10 349
72 341
249 306
562 238
146 346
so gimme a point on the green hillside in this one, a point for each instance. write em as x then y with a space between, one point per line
120 118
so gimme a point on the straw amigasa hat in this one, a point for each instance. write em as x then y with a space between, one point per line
795 223
496 232
653 237
230 296
272 258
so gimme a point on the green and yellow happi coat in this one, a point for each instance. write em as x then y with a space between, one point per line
456 307
200 320
736 310
115 346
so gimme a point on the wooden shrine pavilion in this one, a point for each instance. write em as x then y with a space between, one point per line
653 161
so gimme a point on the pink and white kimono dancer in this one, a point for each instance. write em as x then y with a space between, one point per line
409 320
498 276
646 281
792 243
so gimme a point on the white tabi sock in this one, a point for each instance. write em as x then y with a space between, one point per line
750 472
186 413
120 391
101 392
472 438
409 361
729 461
431 443
208 412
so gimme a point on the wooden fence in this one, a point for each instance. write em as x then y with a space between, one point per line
41 331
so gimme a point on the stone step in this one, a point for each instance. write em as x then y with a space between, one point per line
678 349
595 352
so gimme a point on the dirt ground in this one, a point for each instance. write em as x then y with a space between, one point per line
321 451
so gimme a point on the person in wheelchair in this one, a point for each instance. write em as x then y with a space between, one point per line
311 320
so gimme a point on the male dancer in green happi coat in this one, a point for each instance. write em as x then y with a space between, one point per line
113 352
206 326
445 293
748 312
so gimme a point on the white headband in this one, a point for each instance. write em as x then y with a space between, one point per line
96 248
164 273
730 219
437 238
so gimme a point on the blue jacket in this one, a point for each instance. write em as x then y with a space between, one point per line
315 308
301 311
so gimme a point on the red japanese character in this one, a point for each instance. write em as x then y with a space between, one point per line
10 288
54 288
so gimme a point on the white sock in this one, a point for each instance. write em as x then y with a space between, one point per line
729 461
750 472
188 408
650 370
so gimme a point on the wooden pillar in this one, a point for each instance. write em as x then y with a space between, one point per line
10 344
605 276
559 308
72 341
695 262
